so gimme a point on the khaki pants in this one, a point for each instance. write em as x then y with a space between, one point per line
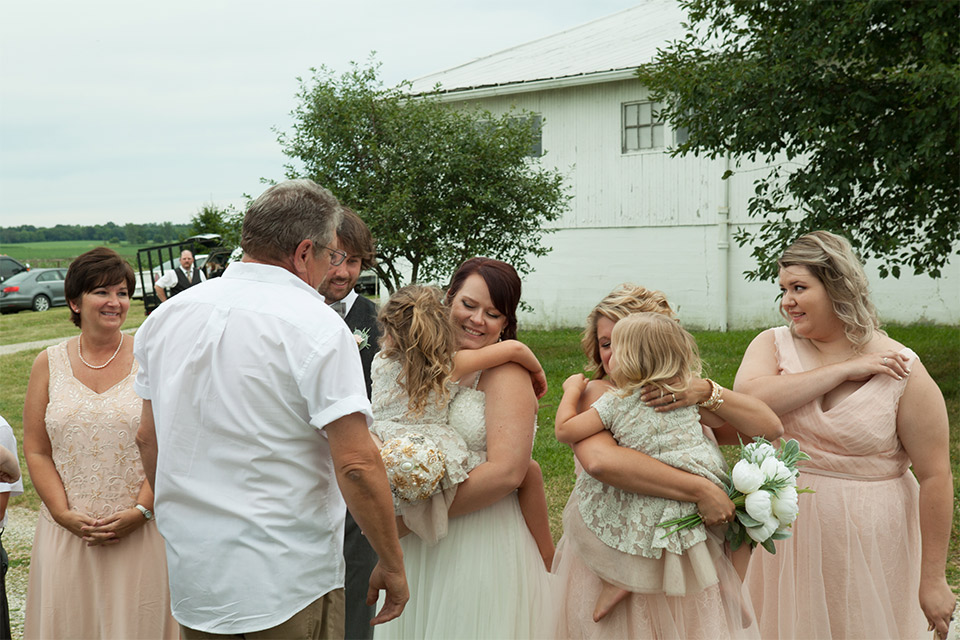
321 620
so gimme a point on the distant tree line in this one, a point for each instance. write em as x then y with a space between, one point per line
131 233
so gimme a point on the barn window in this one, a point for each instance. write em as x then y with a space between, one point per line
642 126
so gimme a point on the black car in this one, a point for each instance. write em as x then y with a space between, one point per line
11 266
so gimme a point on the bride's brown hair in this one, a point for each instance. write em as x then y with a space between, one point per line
423 340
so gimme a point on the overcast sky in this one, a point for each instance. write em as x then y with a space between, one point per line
129 111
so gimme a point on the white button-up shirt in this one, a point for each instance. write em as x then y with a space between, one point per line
243 374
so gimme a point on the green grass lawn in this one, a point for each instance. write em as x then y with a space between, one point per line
59 254
938 347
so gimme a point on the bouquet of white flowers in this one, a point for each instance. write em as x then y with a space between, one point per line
765 493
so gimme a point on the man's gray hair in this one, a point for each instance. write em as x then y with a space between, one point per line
285 215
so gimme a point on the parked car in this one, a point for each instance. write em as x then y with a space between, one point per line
11 266
38 289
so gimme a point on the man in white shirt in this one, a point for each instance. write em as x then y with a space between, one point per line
254 412
179 279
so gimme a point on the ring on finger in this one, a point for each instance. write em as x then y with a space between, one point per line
661 393
884 361
674 396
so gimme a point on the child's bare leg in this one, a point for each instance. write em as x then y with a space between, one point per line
740 559
609 597
533 506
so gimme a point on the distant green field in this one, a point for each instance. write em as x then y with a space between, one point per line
59 254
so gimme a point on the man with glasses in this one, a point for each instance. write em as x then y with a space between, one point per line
254 423
360 314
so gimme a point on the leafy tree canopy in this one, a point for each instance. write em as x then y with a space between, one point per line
860 97
226 223
436 185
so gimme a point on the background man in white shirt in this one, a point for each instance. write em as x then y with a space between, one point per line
183 277
252 417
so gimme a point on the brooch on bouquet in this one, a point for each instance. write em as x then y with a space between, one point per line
414 465
764 490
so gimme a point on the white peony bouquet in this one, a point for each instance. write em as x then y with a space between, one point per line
764 490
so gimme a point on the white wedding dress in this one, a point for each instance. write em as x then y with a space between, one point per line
486 578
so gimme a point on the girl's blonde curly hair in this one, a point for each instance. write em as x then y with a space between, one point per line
651 348
624 300
832 261
423 340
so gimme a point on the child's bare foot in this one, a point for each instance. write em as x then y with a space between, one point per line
609 597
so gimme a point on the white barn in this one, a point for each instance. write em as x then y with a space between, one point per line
637 214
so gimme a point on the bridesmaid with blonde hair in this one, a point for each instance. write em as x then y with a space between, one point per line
873 537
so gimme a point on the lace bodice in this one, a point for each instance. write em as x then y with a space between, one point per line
92 436
627 521
389 400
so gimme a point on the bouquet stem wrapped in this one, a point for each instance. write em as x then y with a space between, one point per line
764 490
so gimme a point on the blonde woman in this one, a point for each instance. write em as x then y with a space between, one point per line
874 535
622 468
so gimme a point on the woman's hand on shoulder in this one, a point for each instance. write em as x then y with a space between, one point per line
113 528
698 391
887 362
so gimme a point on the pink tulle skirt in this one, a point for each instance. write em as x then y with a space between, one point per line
852 567
713 606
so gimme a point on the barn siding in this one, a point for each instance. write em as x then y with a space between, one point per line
647 218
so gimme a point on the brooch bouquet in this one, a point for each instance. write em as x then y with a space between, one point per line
764 490
415 466
362 336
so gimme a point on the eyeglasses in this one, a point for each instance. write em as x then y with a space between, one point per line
336 257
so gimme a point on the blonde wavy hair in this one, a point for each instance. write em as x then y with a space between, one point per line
651 348
626 299
832 261
423 340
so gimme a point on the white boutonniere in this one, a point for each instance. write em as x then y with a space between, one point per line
362 336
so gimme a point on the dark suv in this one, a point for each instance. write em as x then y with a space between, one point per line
10 266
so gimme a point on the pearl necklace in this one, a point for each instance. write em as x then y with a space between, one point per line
80 353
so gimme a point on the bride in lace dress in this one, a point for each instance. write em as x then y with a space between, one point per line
98 568
486 578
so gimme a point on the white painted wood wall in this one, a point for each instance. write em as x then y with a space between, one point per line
647 218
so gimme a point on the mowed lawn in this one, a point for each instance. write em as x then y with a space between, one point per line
60 253
559 352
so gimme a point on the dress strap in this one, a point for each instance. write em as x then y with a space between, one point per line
58 363
476 381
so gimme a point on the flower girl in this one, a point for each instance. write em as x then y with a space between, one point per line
617 533
414 380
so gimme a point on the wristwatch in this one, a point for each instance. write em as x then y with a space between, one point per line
146 512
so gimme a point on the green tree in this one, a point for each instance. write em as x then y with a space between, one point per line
852 103
436 185
224 222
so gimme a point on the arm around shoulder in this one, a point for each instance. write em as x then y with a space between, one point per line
511 413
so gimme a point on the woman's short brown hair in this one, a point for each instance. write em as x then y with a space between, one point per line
99 267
